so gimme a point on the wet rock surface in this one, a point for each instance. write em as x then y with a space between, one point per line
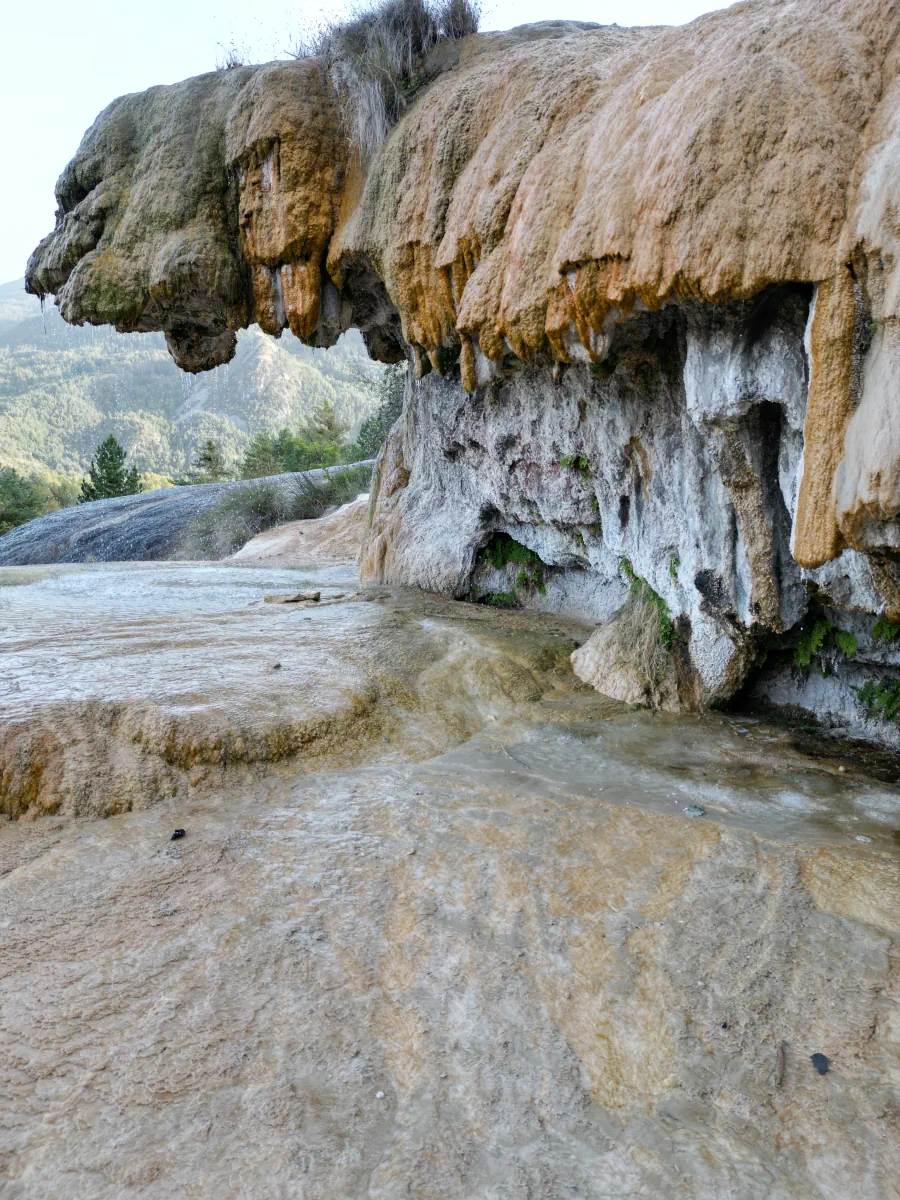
128 684
140 528
444 922
489 955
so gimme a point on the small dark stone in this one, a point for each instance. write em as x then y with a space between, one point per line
724 1024
820 1062
179 833
276 667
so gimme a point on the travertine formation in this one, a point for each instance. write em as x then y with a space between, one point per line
689 230
463 939
446 923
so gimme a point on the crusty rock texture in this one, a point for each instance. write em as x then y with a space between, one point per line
667 256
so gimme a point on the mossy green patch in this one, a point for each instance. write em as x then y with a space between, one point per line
502 550
846 642
807 642
576 462
881 699
501 600
535 579
885 630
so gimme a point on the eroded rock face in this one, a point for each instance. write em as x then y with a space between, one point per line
677 462
666 257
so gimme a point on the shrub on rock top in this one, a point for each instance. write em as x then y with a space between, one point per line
376 59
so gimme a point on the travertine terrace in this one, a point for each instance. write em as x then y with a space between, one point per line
444 922
440 925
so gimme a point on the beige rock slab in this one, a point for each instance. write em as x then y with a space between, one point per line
511 967
551 990
337 536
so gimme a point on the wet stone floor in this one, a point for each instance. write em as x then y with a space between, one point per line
442 923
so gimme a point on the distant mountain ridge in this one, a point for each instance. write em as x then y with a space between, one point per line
16 305
64 388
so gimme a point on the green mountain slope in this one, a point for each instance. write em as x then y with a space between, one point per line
64 389
16 305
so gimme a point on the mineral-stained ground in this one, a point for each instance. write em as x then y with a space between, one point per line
440 923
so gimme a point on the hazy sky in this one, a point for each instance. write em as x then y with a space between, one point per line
64 60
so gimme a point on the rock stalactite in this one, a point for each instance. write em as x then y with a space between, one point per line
832 324
647 282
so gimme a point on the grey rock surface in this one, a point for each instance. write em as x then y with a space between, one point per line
137 528
676 461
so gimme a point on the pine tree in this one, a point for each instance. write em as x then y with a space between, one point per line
263 457
323 427
374 430
108 476
210 462
319 442
20 500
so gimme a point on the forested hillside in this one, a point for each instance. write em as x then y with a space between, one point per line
63 389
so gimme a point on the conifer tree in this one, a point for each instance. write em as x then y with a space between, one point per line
20 500
374 430
324 427
319 442
264 456
108 475
210 462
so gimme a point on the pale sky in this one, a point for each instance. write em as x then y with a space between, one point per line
65 60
